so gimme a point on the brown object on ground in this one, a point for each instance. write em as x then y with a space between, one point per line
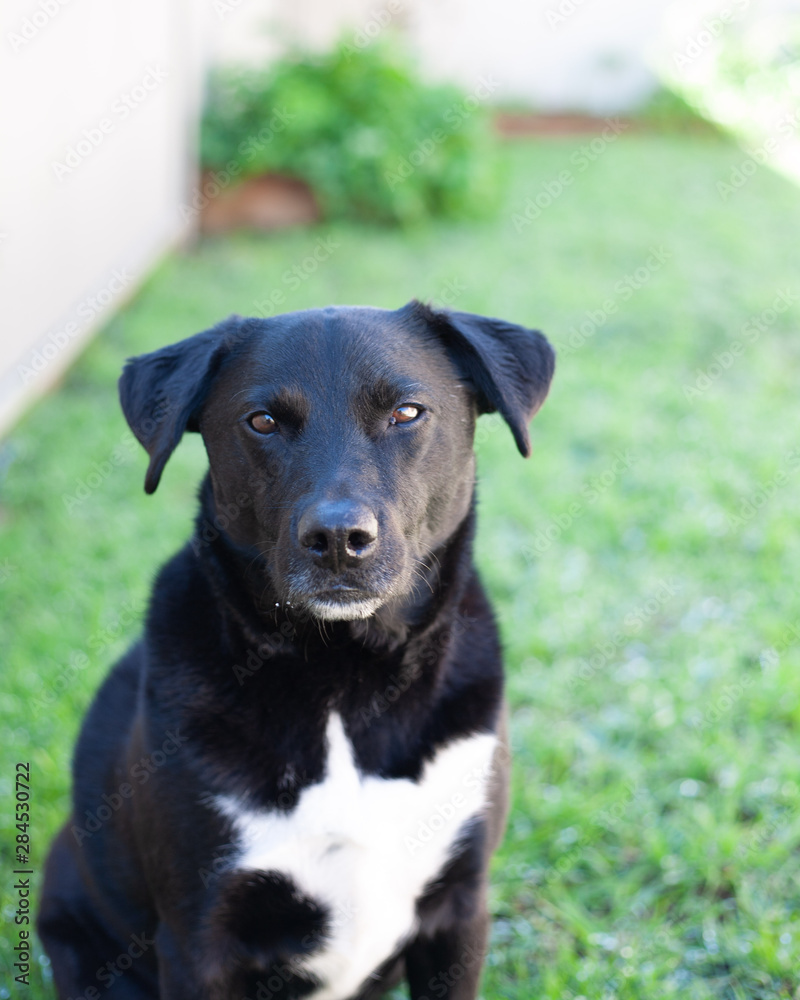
267 202
522 123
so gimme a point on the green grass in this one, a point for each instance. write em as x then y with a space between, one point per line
654 844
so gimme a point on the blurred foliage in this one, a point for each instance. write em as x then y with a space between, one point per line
669 111
372 139
747 77
762 56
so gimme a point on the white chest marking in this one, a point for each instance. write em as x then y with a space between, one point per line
366 847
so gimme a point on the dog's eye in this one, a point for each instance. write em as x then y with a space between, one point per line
263 423
405 414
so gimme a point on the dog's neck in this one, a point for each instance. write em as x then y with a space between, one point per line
239 577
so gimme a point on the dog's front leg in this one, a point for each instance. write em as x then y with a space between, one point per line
176 979
447 964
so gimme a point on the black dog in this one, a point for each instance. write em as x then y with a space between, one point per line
291 787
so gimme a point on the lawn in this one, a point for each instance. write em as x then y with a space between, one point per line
642 562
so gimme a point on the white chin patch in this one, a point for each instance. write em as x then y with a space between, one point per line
336 611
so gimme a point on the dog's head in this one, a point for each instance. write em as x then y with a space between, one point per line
348 431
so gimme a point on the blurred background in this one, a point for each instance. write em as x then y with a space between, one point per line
623 176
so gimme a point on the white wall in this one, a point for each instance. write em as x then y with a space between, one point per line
585 55
97 129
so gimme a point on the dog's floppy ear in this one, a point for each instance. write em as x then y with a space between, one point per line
161 393
508 367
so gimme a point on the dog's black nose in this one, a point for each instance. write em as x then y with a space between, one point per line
338 533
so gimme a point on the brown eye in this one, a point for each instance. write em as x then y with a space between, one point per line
263 423
405 414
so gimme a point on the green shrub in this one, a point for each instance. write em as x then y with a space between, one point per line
669 111
373 141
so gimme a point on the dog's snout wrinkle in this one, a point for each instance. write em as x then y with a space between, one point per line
338 534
